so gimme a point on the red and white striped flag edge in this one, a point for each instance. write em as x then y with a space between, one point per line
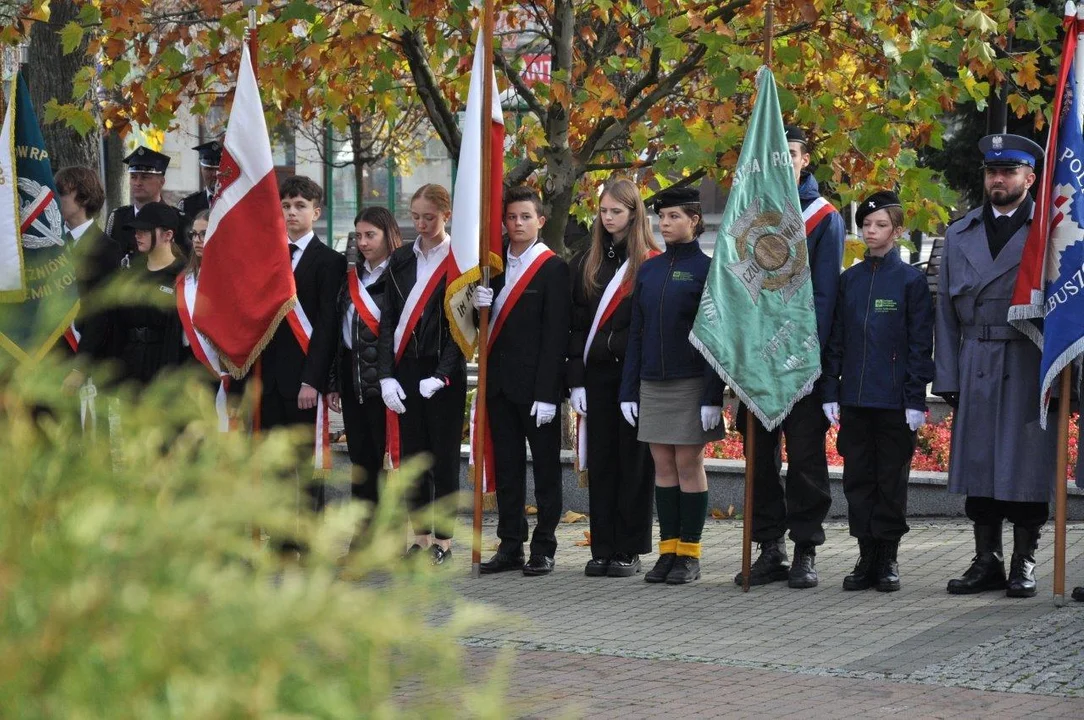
246 284
464 271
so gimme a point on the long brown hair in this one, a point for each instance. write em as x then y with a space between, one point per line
194 260
639 240
382 219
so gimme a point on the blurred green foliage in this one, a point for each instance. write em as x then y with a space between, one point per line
131 586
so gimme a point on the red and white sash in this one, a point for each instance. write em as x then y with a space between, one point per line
616 291
535 257
186 302
302 329
425 284
815 212
366 307
73 336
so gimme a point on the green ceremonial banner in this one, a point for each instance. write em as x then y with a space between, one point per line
31 327
756 323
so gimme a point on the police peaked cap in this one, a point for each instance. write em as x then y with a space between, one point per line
156 215
210 153
674 196
1005 150
796 134
145 160
877 201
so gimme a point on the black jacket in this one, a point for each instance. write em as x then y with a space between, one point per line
431 341
364 377
318 277
114 228
526 361
97 257
608 347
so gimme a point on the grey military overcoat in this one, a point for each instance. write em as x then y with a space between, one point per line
998 449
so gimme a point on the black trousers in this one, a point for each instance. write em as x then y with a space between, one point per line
876 446
366 431
620 473
511 426
277 411
990 511
802 504
433 427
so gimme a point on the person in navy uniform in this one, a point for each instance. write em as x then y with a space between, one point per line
668 391
877 364
146 178
802 503
526 384
989 373
210 154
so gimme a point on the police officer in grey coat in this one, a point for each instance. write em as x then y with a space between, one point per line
989 372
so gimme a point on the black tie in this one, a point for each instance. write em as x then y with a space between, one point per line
293 250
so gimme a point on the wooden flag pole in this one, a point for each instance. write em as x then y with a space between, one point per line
1061 479
483 262
750 420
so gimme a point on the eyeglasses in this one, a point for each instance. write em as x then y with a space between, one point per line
194 234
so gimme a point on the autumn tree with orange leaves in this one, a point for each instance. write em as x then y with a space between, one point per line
659 90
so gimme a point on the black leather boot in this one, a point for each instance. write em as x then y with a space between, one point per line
987 571
770 566
863 577
1025 541
803 572
1078 594
888 570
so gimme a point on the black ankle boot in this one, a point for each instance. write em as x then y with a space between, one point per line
770 566
1025 541
803 572
863 576
987 571
888 570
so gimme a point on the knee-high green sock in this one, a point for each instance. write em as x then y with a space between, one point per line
693 511
667 508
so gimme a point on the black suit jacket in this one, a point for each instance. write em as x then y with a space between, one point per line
318 276
114 228
193 204
97 257
526 362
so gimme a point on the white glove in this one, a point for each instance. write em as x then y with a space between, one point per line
831 411
579 400
482 297
915 419
631 411
392 394
429 386
543 412
710 416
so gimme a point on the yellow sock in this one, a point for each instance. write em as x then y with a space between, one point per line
668 547
689 549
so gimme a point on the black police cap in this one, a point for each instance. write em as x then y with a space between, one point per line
156 215
145 160
877 201
210 153
673 196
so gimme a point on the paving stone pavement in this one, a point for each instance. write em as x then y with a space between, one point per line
621 647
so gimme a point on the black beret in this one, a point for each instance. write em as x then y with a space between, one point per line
796 134
877 201
673 196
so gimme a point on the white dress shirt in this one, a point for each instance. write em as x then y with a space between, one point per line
516 265
302 243
77 232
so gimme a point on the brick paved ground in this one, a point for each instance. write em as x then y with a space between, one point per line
620 647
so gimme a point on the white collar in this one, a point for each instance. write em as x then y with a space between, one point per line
437 251
998 213
77 232
302 242
519 258
379 268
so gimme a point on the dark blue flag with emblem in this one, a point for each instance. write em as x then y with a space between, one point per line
34 317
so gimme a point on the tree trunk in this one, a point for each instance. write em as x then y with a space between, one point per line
116 179
50 74
359 165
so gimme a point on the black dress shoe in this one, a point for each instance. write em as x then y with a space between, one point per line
662 568
1078 594
538 565
888 570
987 571
412 551
685 570
501 563
440 555
803 571
770 566
624 565
863 576
597 567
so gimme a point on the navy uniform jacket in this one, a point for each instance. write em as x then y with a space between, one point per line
193 204
825 245
880 353
665 299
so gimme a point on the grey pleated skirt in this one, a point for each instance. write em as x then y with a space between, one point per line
670 413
